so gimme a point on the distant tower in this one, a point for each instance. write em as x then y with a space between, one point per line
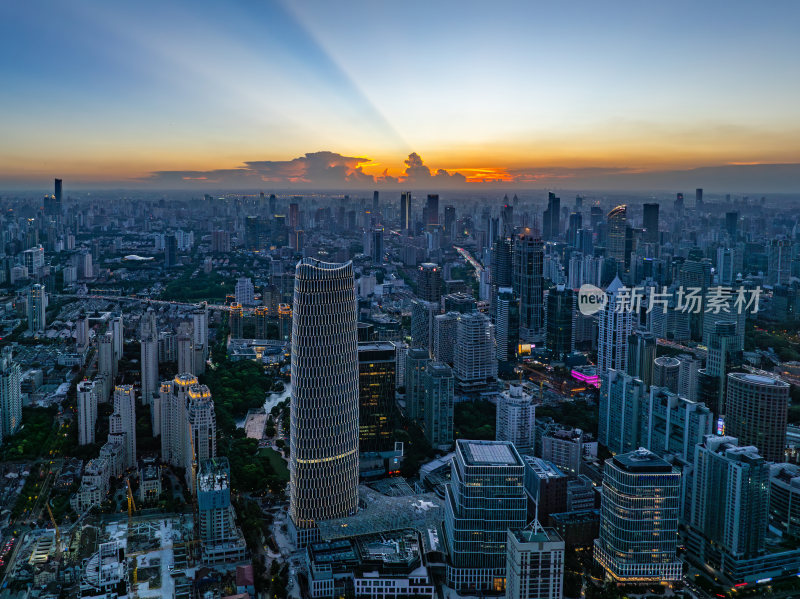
170 251
236 321
617 224
429 282
405 211
184 350
106 364
324 417
650 222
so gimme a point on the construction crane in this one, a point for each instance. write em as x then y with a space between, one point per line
55 526
131 502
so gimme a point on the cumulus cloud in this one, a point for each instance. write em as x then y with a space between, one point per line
313 170
417 173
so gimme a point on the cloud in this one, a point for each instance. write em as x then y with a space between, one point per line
313 170
417 173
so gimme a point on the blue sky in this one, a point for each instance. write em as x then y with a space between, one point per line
106 91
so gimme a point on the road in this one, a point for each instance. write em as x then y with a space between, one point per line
147 300
468 257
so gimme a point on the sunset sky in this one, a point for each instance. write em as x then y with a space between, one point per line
254 93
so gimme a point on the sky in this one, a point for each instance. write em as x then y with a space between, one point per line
250 94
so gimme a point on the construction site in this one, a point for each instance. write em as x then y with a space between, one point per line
140 554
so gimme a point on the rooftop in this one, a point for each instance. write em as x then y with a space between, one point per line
642 460
489 453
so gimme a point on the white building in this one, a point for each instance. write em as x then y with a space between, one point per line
516 419
534 563
87 411
615 324
475 363
10 395
245 292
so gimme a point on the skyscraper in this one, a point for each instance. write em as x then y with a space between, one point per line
432 210
650 222
324 417
507 324
236 321
515 419
698 198
201 431
377 245
429 282
615 324
560 322
106 364
149 358
475 363
639 519
641 355
439 385
122 422
617 224
87 412
417 361
376 384
756 410
622 400
445 330
170 251
405 211
528 283
483 500
551 219
37 304
10 395
729 502
200 328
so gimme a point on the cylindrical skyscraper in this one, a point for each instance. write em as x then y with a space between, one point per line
324 406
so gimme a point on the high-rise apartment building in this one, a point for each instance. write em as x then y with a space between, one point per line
515 419
445 327
122 423
639 519
475 364
236 321
324 416
438 383
622 399
483 500
10 395
87 411
245 292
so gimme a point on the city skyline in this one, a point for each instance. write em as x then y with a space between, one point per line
310 96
